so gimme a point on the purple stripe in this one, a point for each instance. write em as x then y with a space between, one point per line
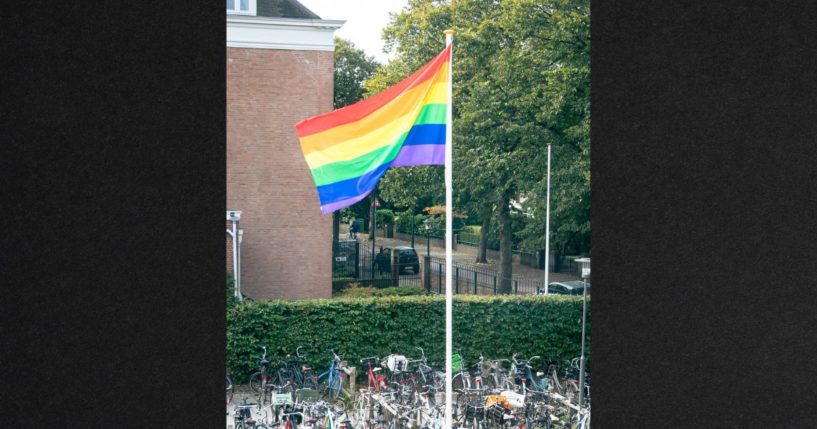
425 154
337 205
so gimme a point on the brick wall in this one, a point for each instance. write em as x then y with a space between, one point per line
286 250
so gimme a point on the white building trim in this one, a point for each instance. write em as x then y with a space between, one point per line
281 33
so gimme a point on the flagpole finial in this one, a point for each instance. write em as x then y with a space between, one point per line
448 32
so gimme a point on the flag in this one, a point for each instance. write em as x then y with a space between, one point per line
348 150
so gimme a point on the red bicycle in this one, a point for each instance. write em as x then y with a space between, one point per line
378 381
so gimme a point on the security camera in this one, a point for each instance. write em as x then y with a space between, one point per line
233 215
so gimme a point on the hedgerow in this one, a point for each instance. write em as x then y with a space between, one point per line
497 326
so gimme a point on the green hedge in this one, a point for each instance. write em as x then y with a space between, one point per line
497 326
356 291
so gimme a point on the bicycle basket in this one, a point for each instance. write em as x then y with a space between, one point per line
515 399
282 398
243 413
497 399
365 362
307 395
475 412
397 363
496 414
456 362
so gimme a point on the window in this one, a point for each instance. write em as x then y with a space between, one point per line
241 7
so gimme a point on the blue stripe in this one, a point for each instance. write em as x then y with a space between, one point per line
426 134
352 187
418 135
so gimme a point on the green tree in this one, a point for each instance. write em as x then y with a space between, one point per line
352 68
521 80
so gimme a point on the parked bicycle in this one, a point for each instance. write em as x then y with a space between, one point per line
242 417
524 378
375 382
260 381
331 381
295 373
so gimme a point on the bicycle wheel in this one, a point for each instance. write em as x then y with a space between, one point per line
255 382
310 381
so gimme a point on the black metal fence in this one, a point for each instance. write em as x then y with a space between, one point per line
474 281
356 262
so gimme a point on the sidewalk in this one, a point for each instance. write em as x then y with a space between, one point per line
464 254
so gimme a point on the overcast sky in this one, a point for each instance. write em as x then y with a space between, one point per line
364 20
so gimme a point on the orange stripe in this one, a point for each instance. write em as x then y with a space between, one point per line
408 103
363 108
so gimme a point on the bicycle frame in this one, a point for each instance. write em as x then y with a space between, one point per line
375 381
333 377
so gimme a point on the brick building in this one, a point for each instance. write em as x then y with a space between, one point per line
280 66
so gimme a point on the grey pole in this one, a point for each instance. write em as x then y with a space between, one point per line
581 362
238 265
235 260
547 229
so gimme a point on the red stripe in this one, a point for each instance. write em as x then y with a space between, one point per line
363 108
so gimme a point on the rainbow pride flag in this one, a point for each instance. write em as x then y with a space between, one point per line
348 150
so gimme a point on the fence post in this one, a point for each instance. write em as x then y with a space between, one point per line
395 268
475 283
357 259
494 284
427 273
439 278
457 276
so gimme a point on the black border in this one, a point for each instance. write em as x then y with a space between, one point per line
703 201
114 238
703 184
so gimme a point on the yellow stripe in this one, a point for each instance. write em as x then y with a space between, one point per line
360 144
404 102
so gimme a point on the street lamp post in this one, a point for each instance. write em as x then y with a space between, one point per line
234 216
427 225
585 271
413 227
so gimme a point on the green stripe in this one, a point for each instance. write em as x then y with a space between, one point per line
431 114
343 170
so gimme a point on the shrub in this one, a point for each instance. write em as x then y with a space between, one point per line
356 291
385 217
406 221
497 326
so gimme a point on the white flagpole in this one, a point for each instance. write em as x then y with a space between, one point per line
547 230
449 226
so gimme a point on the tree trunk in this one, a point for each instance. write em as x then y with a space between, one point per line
505 243
482 253
335 227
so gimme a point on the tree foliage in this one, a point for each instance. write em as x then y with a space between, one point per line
352 68
521 81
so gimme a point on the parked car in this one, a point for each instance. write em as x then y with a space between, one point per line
407 258
573 287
